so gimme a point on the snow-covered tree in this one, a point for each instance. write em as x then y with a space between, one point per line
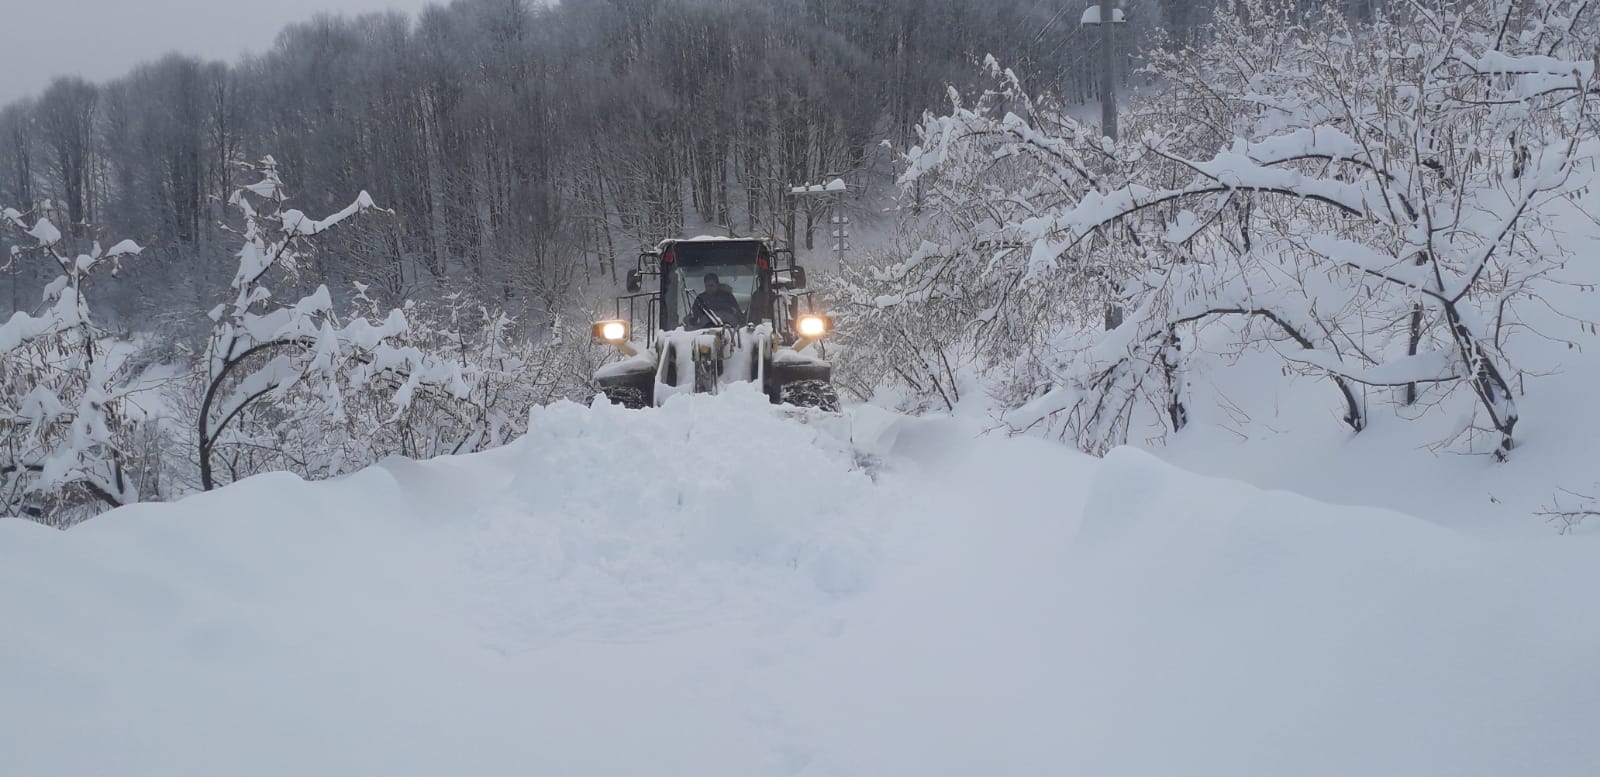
1367 202
321 389
62 421
272 369
464 376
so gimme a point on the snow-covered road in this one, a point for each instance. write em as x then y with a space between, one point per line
717 588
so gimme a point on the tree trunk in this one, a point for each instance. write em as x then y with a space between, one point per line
438 230
483 215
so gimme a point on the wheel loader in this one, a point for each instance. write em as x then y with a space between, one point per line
715 311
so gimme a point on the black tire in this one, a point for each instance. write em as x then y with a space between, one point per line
627 396
819 394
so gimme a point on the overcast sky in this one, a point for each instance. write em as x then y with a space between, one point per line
102 39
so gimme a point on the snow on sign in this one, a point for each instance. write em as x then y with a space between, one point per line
835 185
1091 15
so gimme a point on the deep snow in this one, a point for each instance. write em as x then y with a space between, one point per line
1250 422
722 587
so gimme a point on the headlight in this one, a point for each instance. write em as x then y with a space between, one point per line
813 326
610 331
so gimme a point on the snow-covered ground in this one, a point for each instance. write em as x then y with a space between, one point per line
719 587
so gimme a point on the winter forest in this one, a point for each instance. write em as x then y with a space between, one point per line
389 235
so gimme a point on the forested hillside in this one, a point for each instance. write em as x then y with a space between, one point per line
520 145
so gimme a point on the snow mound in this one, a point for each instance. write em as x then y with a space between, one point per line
718 507
1321 626
719 586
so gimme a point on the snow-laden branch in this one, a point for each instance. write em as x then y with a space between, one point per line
1430 367
1379 198
61 389
295 374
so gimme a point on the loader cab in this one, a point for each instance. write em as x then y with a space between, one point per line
763 280
695 269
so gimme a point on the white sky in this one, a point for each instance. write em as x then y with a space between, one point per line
102 39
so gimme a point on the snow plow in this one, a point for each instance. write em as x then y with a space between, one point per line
716 311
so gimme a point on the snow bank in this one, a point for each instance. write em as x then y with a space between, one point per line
1127 618
722 587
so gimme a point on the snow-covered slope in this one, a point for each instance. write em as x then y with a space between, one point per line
715 587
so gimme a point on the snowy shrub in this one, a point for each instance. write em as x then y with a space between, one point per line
62 425
309 384
273 370
1368 203
473 376
304 387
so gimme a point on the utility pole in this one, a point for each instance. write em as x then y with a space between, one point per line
1107 20
840 234
832 196
1108 75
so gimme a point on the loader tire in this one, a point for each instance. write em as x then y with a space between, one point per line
627 396
819 394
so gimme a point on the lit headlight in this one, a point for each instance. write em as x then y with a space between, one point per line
813 326
610 331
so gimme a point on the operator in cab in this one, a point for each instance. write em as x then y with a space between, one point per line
715 306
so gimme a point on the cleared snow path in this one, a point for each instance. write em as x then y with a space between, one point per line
716 587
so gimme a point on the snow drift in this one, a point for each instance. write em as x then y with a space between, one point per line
721 587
